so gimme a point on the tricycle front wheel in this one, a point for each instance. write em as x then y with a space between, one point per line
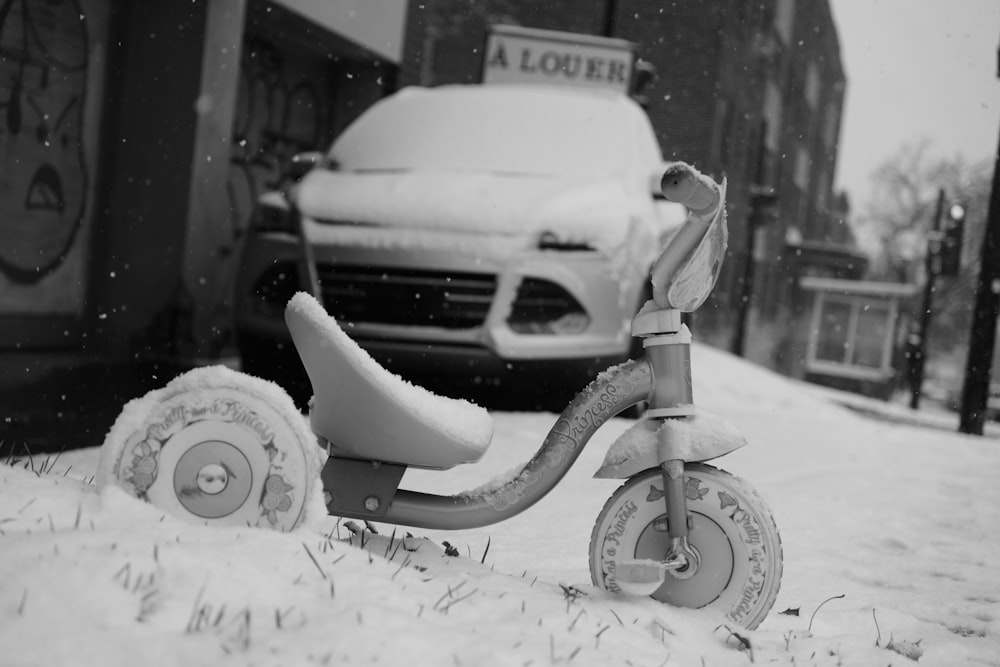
731 531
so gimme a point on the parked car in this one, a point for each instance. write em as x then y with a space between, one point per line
470 234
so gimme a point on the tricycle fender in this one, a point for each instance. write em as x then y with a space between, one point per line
700 437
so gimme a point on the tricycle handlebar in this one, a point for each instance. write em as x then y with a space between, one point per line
682 184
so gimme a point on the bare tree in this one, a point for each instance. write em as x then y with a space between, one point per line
900 216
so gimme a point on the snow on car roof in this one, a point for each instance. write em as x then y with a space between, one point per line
503 128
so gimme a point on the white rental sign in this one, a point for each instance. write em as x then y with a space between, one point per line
529 55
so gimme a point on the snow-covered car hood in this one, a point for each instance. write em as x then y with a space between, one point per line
592 212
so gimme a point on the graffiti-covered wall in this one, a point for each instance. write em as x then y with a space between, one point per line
297 84
282 108
135 138
51 81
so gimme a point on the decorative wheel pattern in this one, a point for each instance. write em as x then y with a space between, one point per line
731 531
217 454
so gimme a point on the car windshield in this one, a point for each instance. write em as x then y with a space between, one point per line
497 129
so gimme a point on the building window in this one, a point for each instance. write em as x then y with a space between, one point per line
772 114
831 122
723 129
784 17
853 327
852 335
803 165
812 85
822 190
833 331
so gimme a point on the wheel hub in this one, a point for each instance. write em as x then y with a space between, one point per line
687 554
212 479
709 567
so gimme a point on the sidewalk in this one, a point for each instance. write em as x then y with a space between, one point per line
932 414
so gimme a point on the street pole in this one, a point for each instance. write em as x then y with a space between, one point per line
979 363
930 265
738 346
763 211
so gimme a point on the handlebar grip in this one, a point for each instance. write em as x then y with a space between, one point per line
683 184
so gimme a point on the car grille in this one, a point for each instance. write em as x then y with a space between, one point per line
448 299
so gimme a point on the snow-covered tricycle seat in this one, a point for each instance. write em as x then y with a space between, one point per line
366 412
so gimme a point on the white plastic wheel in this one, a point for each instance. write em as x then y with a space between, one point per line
731 531
216 446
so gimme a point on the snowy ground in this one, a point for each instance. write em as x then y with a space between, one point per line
899 521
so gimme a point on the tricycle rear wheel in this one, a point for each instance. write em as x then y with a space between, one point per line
216 446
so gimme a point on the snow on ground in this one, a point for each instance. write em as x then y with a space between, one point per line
898 520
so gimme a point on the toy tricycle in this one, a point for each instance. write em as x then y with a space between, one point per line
219 446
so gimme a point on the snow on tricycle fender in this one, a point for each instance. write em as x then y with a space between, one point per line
220 447
701 437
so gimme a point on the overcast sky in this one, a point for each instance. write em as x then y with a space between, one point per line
916 69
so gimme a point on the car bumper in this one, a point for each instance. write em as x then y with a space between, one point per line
609 295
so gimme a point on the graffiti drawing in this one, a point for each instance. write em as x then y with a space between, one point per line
280 112
43 174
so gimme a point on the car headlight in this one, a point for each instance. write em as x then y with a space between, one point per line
543 307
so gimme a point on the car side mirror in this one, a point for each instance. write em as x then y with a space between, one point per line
303 163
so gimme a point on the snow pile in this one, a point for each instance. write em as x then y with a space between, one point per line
100 583
700 437
889 534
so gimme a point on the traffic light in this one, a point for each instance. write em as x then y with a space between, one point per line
951 239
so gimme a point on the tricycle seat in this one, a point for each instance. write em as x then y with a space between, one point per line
366 412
